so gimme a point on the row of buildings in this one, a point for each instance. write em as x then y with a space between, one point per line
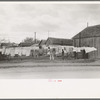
89 37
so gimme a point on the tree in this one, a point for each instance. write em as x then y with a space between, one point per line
30 40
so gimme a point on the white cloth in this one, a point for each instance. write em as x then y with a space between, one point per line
3 50
89 49
12 52
77 49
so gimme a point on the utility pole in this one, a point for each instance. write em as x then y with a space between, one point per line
35 36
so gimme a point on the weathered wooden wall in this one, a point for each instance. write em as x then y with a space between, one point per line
91 42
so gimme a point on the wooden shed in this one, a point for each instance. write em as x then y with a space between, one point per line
89 37
58 41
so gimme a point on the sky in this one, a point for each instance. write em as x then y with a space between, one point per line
60 20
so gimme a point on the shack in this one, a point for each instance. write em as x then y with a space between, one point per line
58 41
89 37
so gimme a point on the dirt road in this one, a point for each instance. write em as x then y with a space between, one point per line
48 70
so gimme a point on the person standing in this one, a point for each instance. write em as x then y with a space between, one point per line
62 54
51 53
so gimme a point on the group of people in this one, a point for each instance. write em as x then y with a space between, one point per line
52 52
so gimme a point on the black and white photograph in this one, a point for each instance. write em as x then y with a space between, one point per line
49 49
41 40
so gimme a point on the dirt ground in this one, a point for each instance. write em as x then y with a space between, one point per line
45 69
46 62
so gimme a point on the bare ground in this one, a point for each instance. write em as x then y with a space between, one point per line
44 68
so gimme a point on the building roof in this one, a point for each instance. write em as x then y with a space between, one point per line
25 44
9 44
35 45
59 41
42 42
91 31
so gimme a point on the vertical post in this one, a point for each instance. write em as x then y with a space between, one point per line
79 39
35 36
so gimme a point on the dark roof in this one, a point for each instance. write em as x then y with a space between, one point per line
42 42
5 44
8 44
25 44
91 31
59 41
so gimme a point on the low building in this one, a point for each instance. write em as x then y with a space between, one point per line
58 41
42 42
25 44
8 45
89 37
